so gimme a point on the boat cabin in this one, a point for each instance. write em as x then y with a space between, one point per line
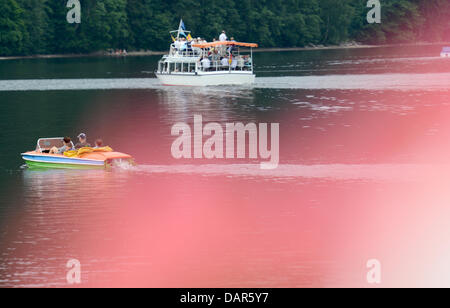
207 58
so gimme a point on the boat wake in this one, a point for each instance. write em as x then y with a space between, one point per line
407 82
381 172
435 81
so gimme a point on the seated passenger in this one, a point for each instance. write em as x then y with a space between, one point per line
225 63
206 64
98 143
82 142
68 146
234 63
215 57
241 63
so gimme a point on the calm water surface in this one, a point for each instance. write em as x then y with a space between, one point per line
364 172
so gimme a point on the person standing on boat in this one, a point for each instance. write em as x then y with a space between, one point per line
177 45
223 37
231 48
82 138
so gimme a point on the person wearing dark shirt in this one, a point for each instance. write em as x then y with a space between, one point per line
82 142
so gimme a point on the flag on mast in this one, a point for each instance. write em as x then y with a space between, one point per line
181 29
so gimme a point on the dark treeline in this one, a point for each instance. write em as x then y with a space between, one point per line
39 26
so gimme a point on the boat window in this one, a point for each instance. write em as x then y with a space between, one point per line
48 143
178 67
186 67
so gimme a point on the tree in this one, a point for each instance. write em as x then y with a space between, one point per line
40 26
336 16
12 28
38 32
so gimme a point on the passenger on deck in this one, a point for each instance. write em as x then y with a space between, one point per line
183 45
215 57
177 45
224 63
241 63
189 48
234 64
82 142
206 64
68 146
223 37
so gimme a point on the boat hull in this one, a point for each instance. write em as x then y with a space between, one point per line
43 165
211 79
445 55
59 162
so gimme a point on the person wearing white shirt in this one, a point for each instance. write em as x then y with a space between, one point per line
223 37
234 63
241 63
206 64
177 45
224 62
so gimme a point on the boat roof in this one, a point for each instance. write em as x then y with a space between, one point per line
226 43
446 49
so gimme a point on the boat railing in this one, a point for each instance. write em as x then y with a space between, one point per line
185 51
215 66
182 66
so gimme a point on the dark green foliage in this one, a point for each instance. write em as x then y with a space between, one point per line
12 28
40 27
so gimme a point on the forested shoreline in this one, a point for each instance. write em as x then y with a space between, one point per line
30 27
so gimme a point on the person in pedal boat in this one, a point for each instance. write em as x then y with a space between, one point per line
82 142
68 146
98 144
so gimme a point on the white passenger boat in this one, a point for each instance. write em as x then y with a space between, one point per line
445 52
192 63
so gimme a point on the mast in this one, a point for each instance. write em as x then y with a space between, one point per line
181 31
181 28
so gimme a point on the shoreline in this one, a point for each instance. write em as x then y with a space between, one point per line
271 49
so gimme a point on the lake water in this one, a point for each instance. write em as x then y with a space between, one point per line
364 174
